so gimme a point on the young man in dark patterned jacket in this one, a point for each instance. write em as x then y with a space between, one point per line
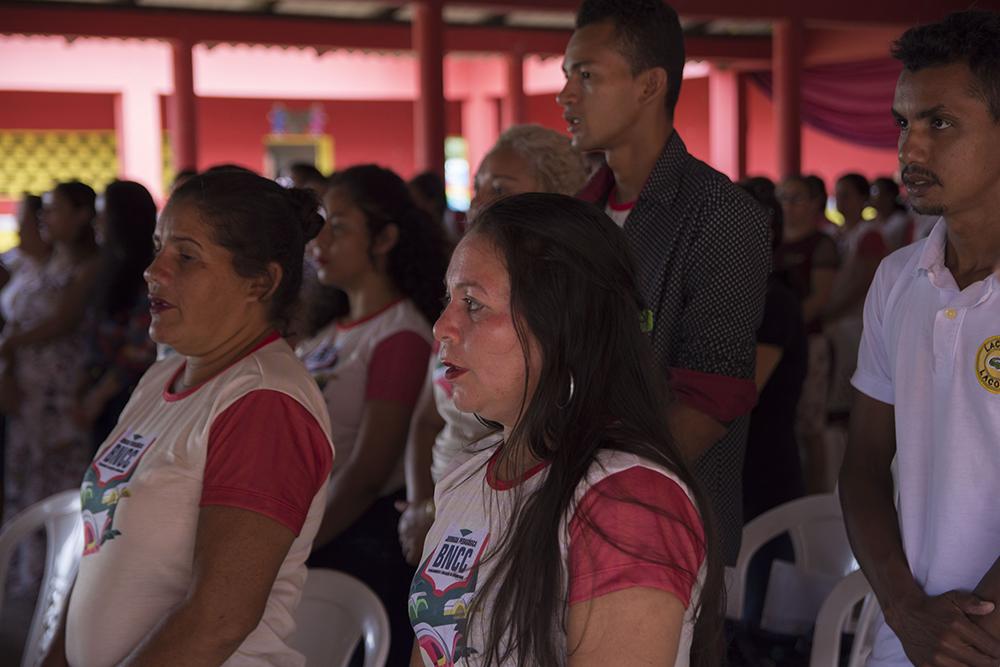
701 245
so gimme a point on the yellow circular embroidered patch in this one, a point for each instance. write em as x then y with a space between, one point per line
988 364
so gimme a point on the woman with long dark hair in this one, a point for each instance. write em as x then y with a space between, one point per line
526 158
389 259
120 347
575 535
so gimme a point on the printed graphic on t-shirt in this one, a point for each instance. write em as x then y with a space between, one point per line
988 364
105 483
442 592
321 362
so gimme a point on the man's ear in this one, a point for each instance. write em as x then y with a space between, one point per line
385 240
653 85
264 286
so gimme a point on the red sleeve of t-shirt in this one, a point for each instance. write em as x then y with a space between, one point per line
266 454
721 397
872 245
635 528
398 368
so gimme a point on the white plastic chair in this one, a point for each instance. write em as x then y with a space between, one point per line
836 617
815 525
336 611
59 515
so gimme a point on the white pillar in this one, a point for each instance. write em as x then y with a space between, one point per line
480 127
140 137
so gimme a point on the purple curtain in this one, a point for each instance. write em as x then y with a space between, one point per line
851 101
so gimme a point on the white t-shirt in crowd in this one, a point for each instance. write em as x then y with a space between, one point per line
381 357
474 511
933 352
254 437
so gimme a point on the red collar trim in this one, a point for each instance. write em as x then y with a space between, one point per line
498 484
616 205
367 318
171 397
597 188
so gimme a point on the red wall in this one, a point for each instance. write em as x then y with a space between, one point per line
22 110
691 117
542 109
822 154
232 131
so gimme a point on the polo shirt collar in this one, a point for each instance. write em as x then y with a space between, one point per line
932 263
932 257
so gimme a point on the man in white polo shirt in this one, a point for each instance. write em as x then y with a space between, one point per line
929 366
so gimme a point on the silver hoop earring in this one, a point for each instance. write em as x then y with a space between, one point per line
569 398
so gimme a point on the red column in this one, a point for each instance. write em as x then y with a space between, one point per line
429 110
727 122
514 105
182 109
786 64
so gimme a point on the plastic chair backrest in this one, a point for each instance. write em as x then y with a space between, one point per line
815 525
59 515
336 611
835 618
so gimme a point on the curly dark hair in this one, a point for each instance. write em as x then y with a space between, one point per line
649 35
259 222
418 261
971 37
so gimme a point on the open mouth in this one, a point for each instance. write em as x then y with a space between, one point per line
158 305
918 180
572 123
918 187
453 371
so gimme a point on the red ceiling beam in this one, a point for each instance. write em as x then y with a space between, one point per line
897 12
87 21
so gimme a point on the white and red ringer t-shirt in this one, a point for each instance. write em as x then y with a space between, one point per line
474 509
381 357
616 210
254 437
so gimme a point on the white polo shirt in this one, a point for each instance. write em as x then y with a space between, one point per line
933 351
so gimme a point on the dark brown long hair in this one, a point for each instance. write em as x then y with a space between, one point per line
259 222
419 259
573 287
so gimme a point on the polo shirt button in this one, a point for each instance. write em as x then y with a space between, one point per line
951 313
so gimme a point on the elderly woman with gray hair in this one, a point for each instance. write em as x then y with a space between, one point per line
526 158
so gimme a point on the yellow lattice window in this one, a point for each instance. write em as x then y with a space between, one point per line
167 165
35 160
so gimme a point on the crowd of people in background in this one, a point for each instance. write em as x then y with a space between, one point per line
633 358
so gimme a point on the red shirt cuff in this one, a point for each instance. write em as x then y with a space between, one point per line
721 397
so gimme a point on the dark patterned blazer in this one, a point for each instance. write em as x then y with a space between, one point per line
702 252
